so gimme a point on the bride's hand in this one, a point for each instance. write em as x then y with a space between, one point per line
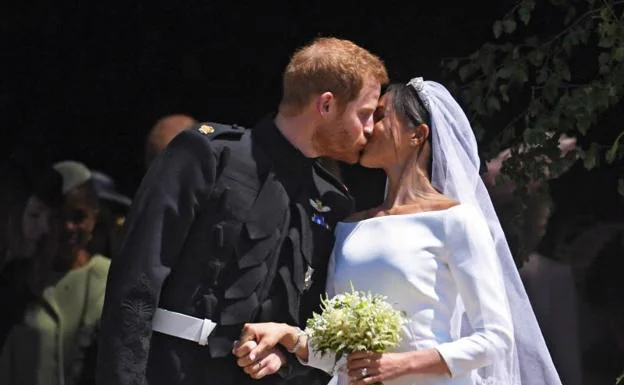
370 368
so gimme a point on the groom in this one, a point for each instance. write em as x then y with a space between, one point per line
232 226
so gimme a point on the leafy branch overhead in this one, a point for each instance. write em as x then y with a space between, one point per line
542 78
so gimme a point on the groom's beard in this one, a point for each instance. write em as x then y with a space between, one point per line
334 141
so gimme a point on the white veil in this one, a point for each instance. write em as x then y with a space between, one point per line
455 172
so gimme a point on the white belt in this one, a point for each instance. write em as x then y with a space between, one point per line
182 326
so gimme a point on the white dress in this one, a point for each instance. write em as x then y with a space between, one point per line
424 262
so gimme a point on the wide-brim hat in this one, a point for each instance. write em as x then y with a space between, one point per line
74 174
107 190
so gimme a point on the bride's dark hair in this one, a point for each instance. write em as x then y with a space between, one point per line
408 105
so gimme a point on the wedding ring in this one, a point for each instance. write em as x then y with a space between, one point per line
363 372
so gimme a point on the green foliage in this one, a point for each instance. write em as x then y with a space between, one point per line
355 321
541 84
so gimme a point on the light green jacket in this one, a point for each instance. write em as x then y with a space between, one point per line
47 348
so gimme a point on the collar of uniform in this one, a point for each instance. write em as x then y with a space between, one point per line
281 152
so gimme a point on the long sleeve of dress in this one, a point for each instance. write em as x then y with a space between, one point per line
162 213
474 266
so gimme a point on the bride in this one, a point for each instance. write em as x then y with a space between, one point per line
435 248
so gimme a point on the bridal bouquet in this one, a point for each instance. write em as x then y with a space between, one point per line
355 321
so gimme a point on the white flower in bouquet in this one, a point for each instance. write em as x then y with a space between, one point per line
355 321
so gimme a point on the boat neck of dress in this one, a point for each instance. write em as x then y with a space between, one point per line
405 215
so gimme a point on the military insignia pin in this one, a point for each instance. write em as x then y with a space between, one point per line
318 206
206 129
320 220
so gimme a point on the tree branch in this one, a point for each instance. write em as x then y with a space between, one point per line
510 125
578 20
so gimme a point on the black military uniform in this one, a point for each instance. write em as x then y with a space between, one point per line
229 224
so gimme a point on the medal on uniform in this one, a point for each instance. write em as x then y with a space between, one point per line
307 280
317 218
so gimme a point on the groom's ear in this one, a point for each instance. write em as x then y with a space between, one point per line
324 103
419 135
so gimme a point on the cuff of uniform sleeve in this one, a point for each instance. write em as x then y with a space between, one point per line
448 354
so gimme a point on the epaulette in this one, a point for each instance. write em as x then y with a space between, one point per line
219 130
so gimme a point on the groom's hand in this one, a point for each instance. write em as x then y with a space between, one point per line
258 366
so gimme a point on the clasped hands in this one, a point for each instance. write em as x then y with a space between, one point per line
256 350
258 355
